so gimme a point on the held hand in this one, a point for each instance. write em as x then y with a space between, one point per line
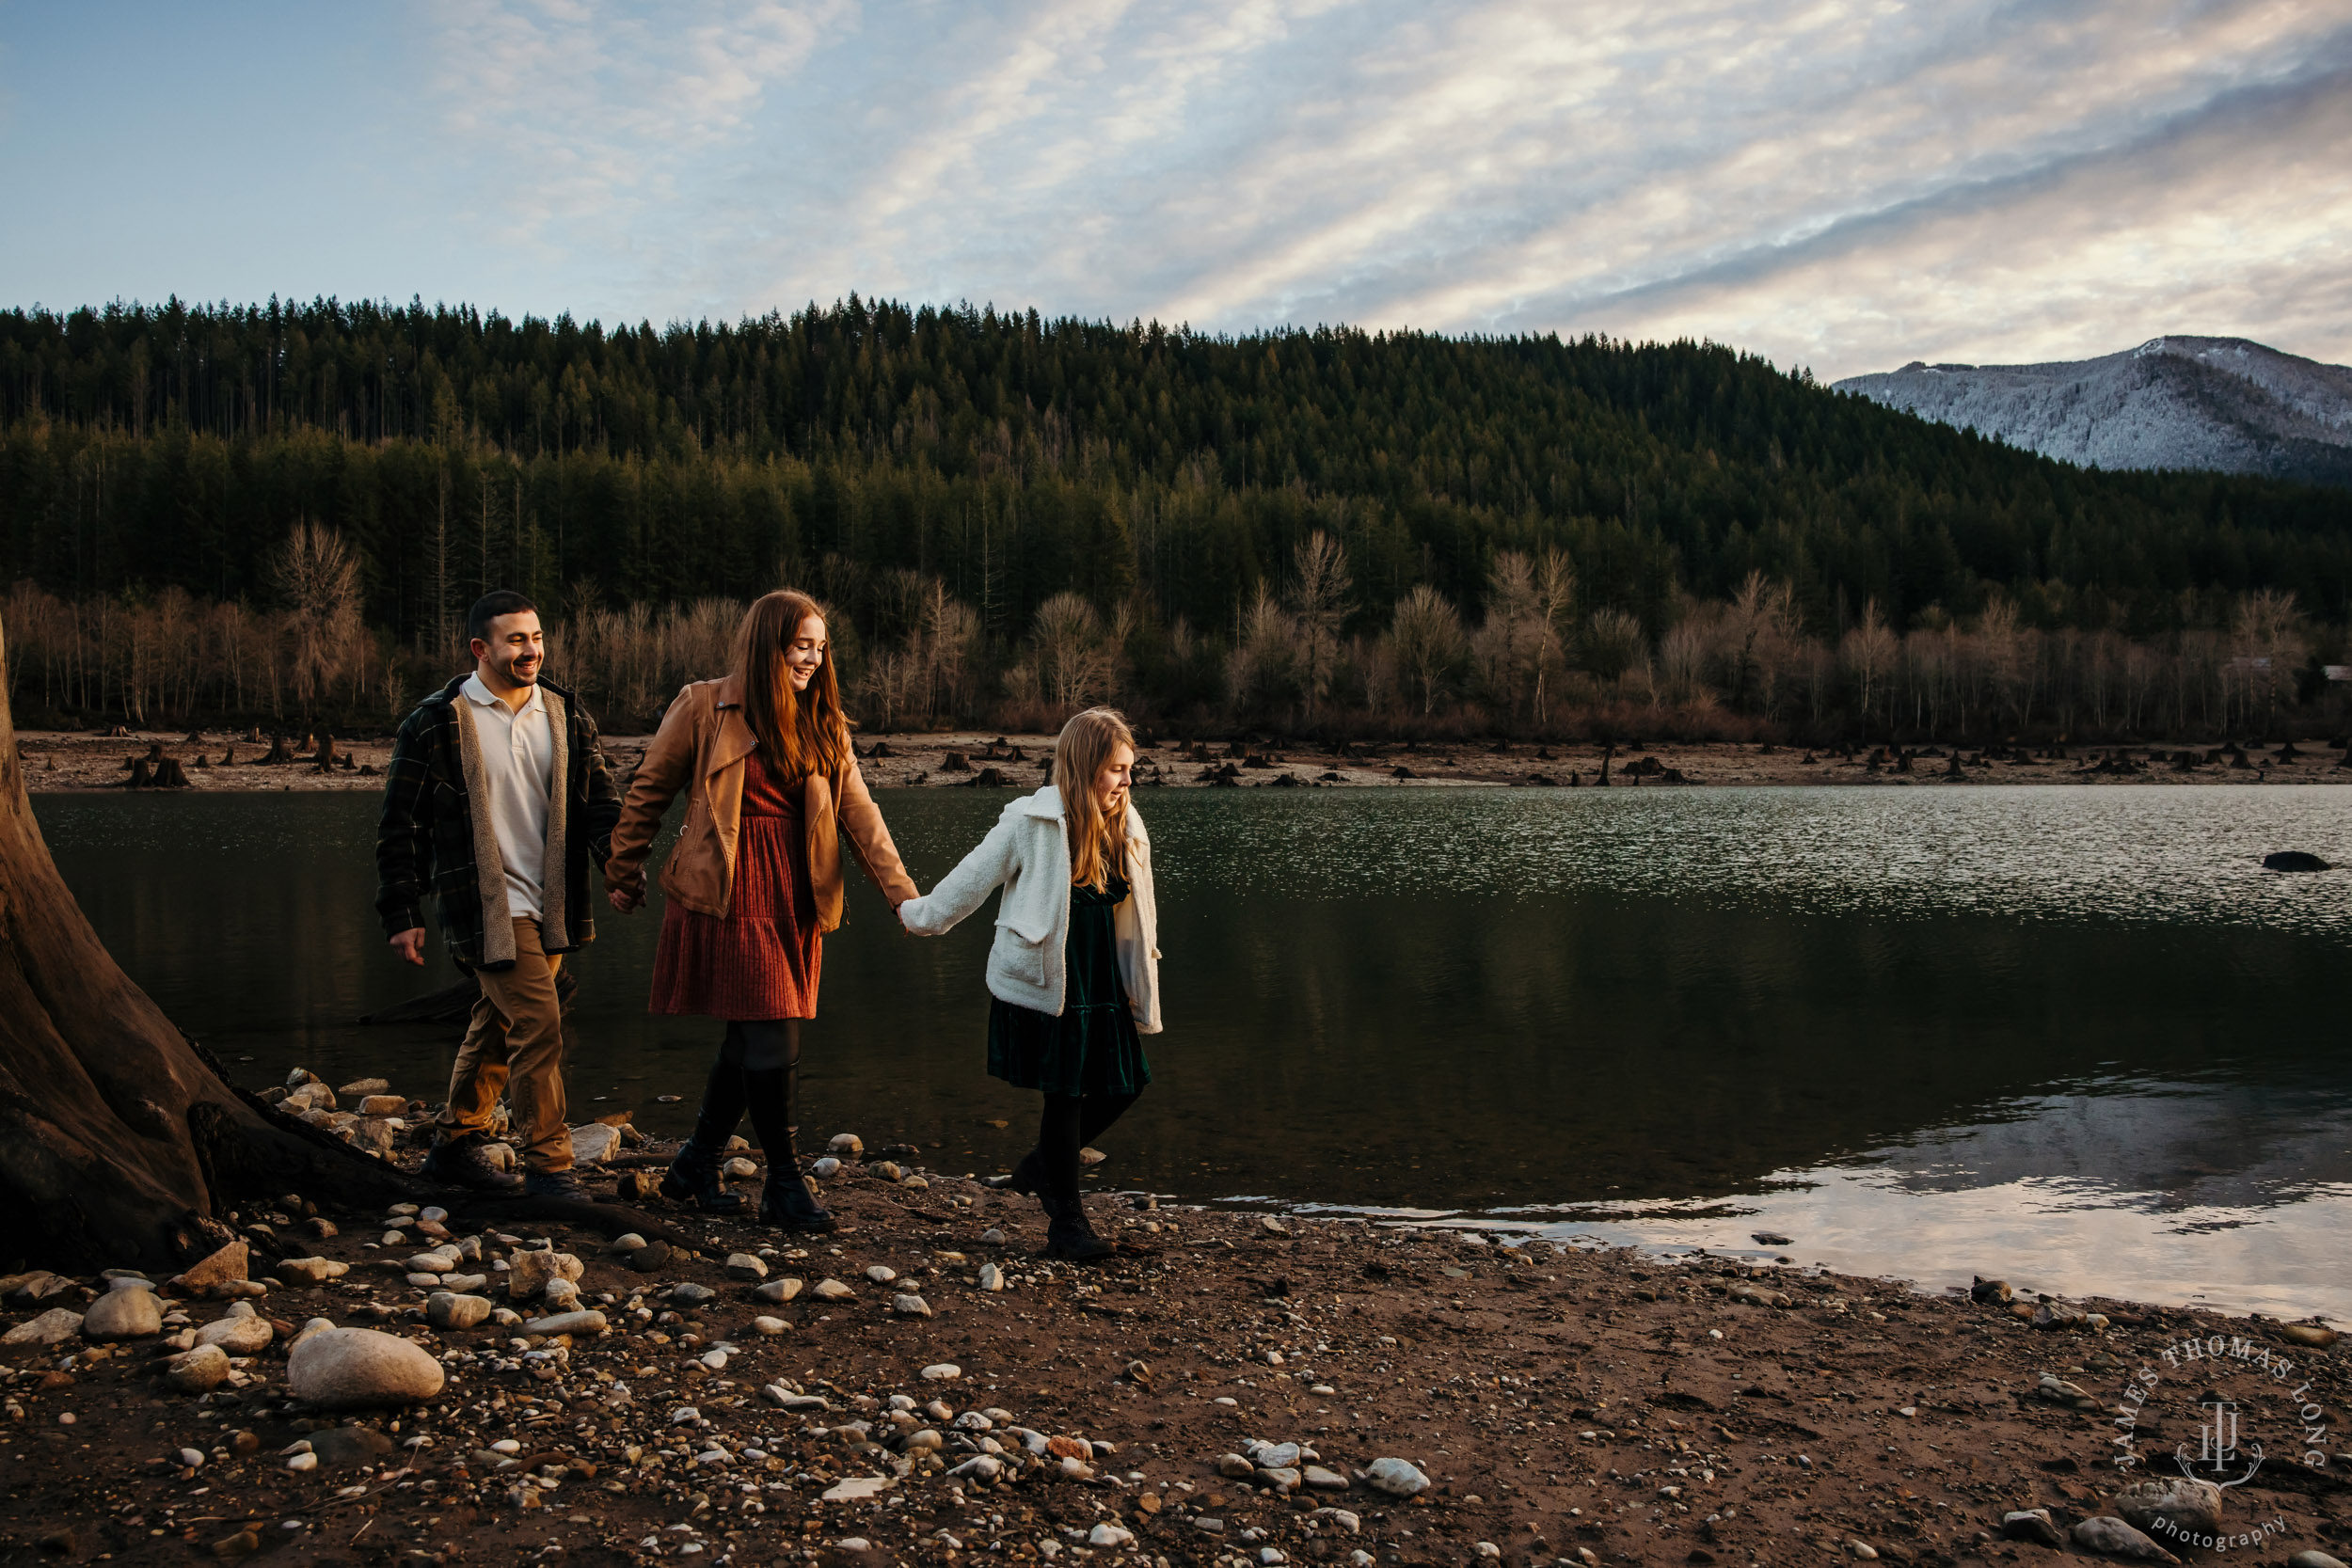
625 900
409 946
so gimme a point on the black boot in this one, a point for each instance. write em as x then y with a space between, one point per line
1067 1232
694 1175
785 1201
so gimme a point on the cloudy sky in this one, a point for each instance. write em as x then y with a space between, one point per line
1847 185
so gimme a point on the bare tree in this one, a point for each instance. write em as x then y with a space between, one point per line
1426 640
1075 663
318 577
1319 608
1612 644
1868 653
1264 671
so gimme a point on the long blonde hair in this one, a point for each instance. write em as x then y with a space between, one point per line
1097 847
798 733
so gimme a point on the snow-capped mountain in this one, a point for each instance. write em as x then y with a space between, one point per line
2173 402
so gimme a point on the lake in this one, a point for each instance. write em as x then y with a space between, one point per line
2074 1036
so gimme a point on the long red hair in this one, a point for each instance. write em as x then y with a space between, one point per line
798 733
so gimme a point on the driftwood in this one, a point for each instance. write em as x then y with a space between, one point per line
121 1138
453 1003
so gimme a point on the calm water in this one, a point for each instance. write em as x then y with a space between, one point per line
2076 1036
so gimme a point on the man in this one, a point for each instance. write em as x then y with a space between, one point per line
496 797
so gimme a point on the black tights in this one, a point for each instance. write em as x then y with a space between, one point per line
1068 1124
761 1059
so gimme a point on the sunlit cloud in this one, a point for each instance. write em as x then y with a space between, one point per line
1843 183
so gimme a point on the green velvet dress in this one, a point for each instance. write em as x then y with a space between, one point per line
1094 1048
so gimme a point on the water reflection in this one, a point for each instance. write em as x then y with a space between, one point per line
2049 1032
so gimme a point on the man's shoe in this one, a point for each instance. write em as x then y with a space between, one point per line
785 1202
465 1162
556 1183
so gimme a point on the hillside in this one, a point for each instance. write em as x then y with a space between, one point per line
2219 403
1012 457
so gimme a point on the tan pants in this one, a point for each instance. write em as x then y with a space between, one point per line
515 1044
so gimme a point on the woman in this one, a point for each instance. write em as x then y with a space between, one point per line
754 883
1074 972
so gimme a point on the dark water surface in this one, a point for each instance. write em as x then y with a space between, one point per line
2074 1036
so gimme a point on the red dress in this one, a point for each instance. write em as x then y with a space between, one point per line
761 960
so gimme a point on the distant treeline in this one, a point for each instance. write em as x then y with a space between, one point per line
1006 472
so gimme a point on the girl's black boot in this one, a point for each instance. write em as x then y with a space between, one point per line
785 1202
694 1175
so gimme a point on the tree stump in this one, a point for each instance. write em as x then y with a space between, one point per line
171 775
279 754
142 774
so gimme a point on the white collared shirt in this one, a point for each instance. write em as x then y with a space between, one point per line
518 762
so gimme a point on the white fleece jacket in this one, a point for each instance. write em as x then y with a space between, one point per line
1027 854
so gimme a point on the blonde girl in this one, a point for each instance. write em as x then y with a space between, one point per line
1074 972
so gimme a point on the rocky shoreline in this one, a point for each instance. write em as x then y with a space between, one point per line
1239 1388
56 762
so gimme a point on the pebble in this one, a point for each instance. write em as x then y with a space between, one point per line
911 1305
1320 1479
123 1315
991 1238
767 1325
303 1460
351 1367
1108 1534
2031 1524
310 1270
1283 1480
1274 1456
1862 1549
382 1104
589 1321
985 1466
1398 1478
196 1371
1273 1227
777 1291
881 1275
886 1170
941 1372
465 1283
846 1144
310 1330
856 1489
825 1167
832 1290
992 1278
448 1312
192 1458
2309 1559
529 1269
1341 1517
2316 1335
691 1295
1233 1465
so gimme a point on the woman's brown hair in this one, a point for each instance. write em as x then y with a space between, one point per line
798 733
1097 847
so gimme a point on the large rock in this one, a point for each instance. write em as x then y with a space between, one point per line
196 1371
209 1275
123 1315
2169 1506
1397 1477
529 1271
348 1367
53 1327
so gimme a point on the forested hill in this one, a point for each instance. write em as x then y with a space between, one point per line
1015 457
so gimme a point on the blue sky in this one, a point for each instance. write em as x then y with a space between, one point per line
1843 186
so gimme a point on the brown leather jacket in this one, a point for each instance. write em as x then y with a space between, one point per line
701 748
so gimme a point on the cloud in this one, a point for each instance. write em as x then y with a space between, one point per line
1844 183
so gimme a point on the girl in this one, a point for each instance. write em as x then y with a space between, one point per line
1074 971
754 883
